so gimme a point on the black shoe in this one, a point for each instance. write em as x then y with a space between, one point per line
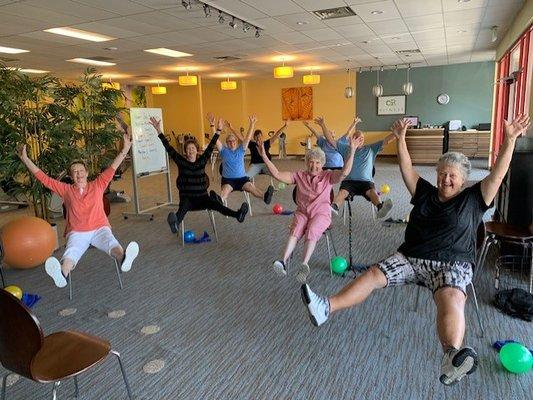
172 222
268 194
242 212
214 196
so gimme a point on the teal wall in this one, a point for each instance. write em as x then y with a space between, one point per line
470 87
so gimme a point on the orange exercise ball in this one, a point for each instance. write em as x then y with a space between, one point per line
27 242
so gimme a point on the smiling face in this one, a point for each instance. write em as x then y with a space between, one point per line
79 174
231 142
450 181
191 152
258 135
314 165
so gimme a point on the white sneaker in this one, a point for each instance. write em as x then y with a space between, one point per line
385 208
334 208
317 306
456 364
280 268
52 267
303 273
132 251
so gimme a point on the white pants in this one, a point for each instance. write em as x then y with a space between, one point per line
257 169
78 243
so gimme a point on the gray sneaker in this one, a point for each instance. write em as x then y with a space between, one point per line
385 208
303 273
334 208
280 268
317 306
456 364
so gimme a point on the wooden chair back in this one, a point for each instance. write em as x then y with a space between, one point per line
21 336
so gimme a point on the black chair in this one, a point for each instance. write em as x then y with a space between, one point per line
246 196
25 350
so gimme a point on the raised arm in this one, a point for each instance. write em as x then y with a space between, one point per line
173 154
278 132
353 125
229 127
212 143
327 133
251 126
356 141
124 152
409 174
491 183
311 129
23 155
389 139
211 119
285 177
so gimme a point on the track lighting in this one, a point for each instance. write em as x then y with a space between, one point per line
186 4
232 23
207 10
245 27
257 33
220 17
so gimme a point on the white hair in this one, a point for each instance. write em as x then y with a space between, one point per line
315 154
458 160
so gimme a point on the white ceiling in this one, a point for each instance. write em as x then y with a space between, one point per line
445 31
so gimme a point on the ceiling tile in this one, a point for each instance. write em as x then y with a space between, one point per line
454 5
391 27
121 7
388 11
313 5
323 34
427 22
416 8
274 7
49 18
309 20
292 37
468 16
69 7
345 21
353 31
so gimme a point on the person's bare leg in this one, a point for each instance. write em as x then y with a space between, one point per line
450 317
225 191
66 266
358 290
309 248
289 248
341 197
253 190
374 196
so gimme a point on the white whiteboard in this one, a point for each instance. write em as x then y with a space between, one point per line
148 152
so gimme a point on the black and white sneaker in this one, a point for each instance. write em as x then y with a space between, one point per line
268 194
334 208
317 306
385 208
456 364
172 222
242 212
280 268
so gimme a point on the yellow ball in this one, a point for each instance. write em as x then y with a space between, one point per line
384 189
14 290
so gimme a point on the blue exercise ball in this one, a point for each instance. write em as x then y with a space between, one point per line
189 236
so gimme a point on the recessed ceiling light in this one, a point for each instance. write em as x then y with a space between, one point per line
302 23
461 31
12 50
376 12
168 52
395 38
365 41
28 70
463 1
111 48
79 34
91 62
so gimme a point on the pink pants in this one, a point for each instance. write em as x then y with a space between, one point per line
310 226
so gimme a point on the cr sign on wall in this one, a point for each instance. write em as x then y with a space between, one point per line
391 105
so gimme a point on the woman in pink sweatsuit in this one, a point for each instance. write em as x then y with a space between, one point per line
313 214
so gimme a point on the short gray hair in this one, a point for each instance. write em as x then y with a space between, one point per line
315 154
458 160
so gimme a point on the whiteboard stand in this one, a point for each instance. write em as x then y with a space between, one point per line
146 212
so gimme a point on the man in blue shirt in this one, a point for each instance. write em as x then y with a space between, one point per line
360 181
233 173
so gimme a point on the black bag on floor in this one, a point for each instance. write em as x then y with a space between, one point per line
516 302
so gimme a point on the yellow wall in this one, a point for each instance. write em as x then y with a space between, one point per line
184 108
374 136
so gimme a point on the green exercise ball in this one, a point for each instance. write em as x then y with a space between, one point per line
516 358
339 265
281 186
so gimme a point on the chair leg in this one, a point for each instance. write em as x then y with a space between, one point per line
70 285
417 300
117 269
76 387
182 233
2 276
4 383
247 199
123 370
329 254
482 330
344 212
373 210
225 203
54 390
213 224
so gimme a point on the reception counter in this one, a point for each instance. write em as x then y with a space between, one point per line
424 145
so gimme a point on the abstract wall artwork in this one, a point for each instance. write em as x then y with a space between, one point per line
297 103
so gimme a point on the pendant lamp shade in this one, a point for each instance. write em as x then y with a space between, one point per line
311 79
283 72
188 80
228 85
348 90
407 87
377 89
159 90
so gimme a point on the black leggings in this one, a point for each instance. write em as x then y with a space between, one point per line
203 202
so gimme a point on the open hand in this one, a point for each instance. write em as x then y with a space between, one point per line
156 124
210 118
356 120
21 151
320 120
127 141
122 124
517 127
220 124
399 128
356 141
260 147
252 118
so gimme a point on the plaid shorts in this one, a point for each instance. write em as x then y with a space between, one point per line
401 270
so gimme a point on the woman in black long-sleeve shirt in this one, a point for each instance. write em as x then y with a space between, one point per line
192 181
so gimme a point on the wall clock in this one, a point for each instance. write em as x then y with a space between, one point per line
443 98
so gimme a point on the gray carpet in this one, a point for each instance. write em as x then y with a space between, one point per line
231 329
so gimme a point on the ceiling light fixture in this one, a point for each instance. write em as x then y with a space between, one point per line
407 87
376 12
221 17
159 89
80 34
91 62
232 23
494 31
257 32
207 11
12 50
283 72
187 80
377 89
228 85
28 70
186 4
302 23
168 52
245 27
311 79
